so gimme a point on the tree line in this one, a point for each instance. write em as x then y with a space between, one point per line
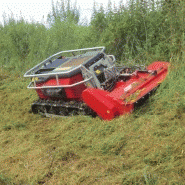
141 31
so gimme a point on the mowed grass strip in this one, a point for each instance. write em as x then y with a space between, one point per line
145 149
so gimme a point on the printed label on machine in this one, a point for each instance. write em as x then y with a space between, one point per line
128 88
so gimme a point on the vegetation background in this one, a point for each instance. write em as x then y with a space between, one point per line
147 147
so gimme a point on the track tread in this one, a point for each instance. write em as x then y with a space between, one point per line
51 108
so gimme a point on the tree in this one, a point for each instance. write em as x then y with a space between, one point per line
63 11
98 21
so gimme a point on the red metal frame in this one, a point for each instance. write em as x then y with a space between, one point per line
72 93
122 98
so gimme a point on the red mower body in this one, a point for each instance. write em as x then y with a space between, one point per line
71 93
122 98
88 80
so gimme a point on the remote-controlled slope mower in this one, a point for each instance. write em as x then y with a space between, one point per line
87 81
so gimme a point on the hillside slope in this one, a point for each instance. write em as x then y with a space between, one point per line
146 147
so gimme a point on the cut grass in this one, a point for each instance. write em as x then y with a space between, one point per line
143 148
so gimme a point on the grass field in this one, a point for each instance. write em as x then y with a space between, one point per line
147 147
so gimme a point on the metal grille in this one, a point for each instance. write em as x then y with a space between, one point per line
75 62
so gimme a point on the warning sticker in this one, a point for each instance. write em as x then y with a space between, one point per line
35 79
128 88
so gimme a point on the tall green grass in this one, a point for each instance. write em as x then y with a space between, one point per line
146 147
